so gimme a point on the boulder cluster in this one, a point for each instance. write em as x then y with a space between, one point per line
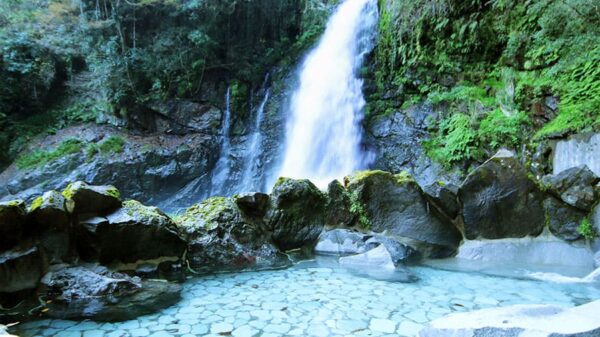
84 252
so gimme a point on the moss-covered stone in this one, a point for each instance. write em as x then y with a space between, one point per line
297 213
395 204
92 199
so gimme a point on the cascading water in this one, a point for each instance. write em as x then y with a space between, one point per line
251 180
324 133
221 170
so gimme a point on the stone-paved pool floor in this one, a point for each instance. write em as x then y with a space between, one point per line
311 300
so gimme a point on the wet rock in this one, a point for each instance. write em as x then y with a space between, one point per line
338 212
297 213
575 186
500 201
519 320
86 198
12 223
444 196
97 293
399 252
396 205
221 236
21 269
377 263
133 232
253 204
563 220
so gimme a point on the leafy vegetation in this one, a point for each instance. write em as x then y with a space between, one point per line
358 210
493 64
587 229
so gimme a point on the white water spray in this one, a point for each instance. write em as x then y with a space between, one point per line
251 179
221 170
324 133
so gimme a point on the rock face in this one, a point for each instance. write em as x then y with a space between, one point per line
338 212
575 186
131 233
12 223
563 220
166 170
96 292
500 201
21 269
396 205
221 235
520 321
396 142
99 200
181 117
297 213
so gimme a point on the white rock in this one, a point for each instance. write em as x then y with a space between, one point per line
376 257
534 320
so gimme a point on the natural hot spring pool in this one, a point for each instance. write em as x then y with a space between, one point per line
318 298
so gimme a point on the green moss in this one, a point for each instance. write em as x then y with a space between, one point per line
36 203
39 158
206 213
114 144
69 191
587 229
136 209
113 192
404 177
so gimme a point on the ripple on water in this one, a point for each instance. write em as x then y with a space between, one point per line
307 300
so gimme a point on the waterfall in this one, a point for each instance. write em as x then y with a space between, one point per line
251 180
323 133
222 168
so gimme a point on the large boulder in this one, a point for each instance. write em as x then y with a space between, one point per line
500 201
338 211
254 203
52 220
12 223
396 206
445 196
132 233
377 263
20 269
519 320
86 198
297 214
575 186
563 220
222 236
97 293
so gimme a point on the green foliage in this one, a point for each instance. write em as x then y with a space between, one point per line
498 129
587 229
113 144
39 158
358 209
456 141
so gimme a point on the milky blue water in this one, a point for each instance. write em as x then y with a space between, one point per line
318 298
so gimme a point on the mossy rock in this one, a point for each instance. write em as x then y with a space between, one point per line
339 206
297 213
12 222
220 235
99 200
50 210
395 204
131 233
